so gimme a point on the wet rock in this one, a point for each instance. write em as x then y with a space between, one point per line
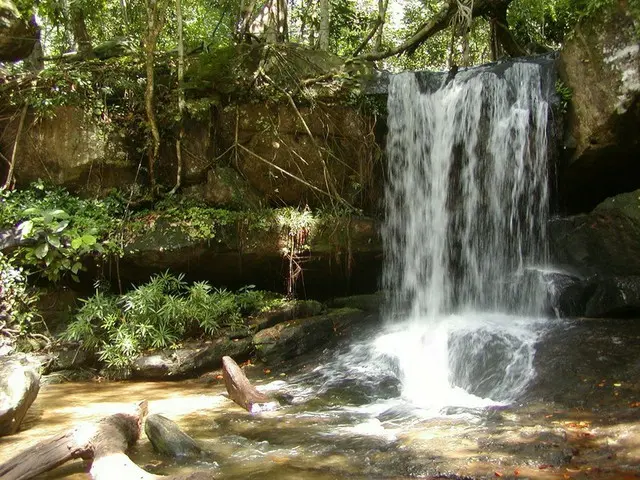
289 339
614 297
587 363
600 296
167 438
561 300
19 386
190 360
600 63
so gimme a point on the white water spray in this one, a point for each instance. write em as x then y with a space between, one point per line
466 208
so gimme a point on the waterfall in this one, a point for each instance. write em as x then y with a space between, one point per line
467 196
466 208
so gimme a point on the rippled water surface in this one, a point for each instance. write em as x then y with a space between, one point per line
580 418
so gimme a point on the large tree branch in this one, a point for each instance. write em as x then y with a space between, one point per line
437 23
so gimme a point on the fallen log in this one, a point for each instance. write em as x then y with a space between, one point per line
105 442
241 391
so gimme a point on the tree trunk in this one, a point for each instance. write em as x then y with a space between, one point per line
14 156
181 100
382 15
323 40
80 32
503 35
240 389
156 14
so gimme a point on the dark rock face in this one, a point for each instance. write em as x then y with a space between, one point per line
605 241
600 62
73 149
289 339
190 360
340 257
340 155
19 386
167 438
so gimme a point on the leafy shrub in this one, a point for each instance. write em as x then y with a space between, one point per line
63 228
16 301
158 314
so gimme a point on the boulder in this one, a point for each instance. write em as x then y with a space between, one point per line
190 360
605 241
71 148
19 386
614 297
370 303
167 438
600 63
290 339
17 34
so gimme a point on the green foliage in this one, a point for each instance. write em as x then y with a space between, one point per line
565 93
16 299
159 314
63 229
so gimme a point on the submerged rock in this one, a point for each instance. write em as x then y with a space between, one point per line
289 339
167 438
19 386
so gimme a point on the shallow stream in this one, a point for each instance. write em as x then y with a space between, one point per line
578 418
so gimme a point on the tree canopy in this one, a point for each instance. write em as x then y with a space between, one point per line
397 34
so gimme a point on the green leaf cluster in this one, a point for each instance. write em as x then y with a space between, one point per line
60 230
17 300
160 314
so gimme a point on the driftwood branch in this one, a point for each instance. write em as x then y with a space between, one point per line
240 389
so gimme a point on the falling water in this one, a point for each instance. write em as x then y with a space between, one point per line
466 206
467 190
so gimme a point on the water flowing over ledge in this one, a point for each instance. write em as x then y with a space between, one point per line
467 201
